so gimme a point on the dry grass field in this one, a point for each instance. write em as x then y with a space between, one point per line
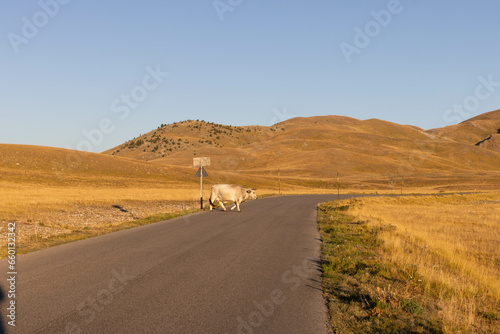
450 244
51 191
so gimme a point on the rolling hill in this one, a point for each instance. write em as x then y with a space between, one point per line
54 166
300 155
482 130
51 191
310 151
37 168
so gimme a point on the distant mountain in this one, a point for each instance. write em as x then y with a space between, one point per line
316 148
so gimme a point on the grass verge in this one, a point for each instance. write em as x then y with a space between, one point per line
412 264
36 243
364 294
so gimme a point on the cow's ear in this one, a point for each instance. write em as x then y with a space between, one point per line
249 191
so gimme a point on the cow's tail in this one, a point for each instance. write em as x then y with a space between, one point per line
210 198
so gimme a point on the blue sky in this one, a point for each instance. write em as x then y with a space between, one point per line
80 74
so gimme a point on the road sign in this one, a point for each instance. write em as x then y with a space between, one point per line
205 161
201 171
201 162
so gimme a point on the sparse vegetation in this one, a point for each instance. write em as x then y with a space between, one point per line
412 264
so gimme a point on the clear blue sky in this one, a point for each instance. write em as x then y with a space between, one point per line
238 62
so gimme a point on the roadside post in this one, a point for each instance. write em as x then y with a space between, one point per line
338 187
201 163
279 182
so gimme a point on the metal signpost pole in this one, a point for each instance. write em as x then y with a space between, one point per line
201 187
279 182
338 187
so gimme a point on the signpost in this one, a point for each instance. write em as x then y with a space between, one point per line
279 182
201 163
338 187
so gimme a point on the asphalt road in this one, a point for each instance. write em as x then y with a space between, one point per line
256 271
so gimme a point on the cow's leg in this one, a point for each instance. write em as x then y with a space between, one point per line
238 206
222 204
234 206
211 207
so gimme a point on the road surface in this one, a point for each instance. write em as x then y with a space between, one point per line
257 271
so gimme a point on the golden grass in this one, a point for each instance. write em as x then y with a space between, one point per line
451 243
19 199
25 199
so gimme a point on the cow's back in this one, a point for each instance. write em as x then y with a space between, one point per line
227 192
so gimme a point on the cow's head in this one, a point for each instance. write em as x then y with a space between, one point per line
251 194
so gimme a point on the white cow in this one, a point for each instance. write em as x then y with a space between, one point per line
230 192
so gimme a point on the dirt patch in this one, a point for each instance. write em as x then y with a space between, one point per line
80 217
